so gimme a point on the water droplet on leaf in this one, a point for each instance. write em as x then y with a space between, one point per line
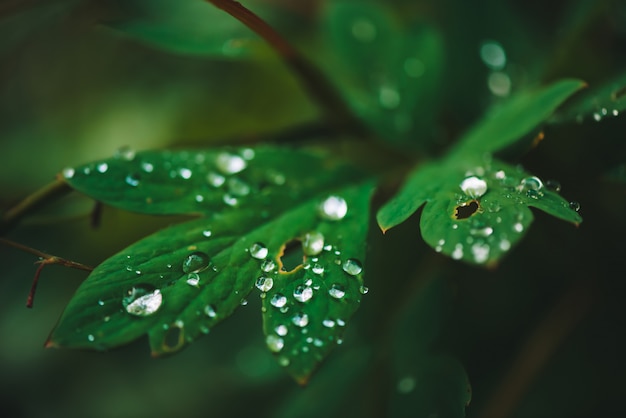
268 266
193 279
264 284
352 266
258 250
474 187
132 180
281 330
215 180
209 310
313 243
300 319
229 163
303 293
196 262
278 300
274 343
142 300
333 208
337 291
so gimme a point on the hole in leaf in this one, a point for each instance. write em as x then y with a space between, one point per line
291 256
466 210
174 338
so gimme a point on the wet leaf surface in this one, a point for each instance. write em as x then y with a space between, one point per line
476 209
178 283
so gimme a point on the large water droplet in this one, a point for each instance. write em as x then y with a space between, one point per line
474 187
303 293
313 243
532 186
274 343
258 250
352 266
229 163
278 300
264 284
300 319
196 262
333 208
142 300
337 291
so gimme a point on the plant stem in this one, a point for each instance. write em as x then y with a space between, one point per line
44 260
314 82
32 202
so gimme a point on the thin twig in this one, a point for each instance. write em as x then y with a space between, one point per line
32 202
314 82
44 260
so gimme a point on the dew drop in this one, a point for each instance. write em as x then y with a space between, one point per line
313 243
102 167
575 206
209 310
132 180
352 266
229 163
493 55
268 266
196 262
215 180
91 338
364 290
278 300
258 250
317 269
207 233
68 172
553 185
243 302
300 319
457 254
264 284
283 361
337 291
531 183
142 300
147 167
230 200
518 227
193 279
303 293
281 330
328 323
480 252
333 208
274 343
473 186
505 245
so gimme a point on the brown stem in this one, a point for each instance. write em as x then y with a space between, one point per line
314 82
31 203
45 259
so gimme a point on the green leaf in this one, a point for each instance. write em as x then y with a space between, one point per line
418 189
392 74
308 307
178 283
515 118
477 209
187 27
427 383
206 182
606 99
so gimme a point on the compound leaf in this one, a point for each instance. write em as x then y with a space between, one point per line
178 283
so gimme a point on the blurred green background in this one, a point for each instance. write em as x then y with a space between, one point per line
540 336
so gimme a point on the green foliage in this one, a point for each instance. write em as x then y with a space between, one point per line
273 140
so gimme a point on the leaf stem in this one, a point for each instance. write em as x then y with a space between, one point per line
314 82
44 260
33 202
